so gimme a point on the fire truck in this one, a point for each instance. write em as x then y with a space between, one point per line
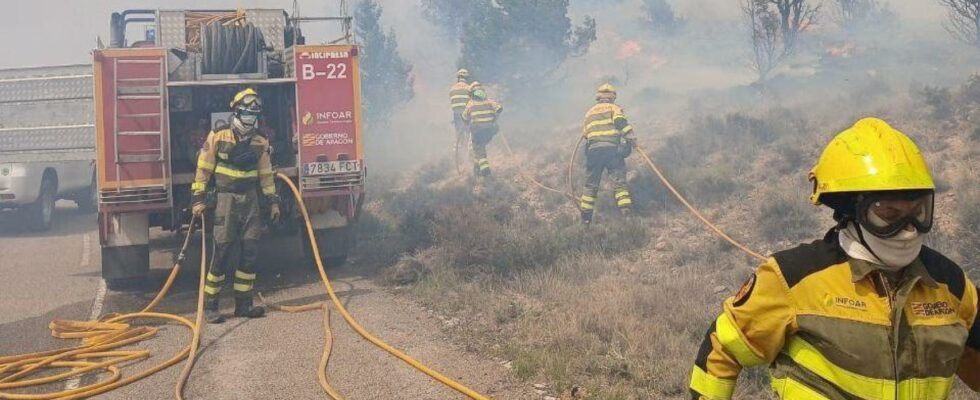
165 81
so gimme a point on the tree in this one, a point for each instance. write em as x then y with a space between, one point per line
767 48
386 80
451 15
963 20
795 16
775 27
661 16
852 15
519 43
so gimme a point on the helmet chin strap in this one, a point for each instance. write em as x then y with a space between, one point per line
860 234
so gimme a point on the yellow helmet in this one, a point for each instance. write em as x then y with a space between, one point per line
475 85
605 92
871 156
244 95
462 73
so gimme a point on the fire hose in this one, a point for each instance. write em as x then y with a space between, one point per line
102 338
354 324
653 167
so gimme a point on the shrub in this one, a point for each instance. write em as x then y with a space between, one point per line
937 100
785 215
968 212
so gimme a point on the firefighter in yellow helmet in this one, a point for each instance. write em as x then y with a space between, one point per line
609 140
238 158
868 312
459 95
481 115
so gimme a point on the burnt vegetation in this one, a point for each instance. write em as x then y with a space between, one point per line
619 309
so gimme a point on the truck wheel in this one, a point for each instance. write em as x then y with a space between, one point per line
125 267
88 200
334 245
40 213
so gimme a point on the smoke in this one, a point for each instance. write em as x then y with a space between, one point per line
660 77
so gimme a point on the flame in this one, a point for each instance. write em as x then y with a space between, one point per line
628 49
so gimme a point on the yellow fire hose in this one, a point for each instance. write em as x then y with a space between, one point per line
693 210
571 163
529 178
354 324
99 341
101 338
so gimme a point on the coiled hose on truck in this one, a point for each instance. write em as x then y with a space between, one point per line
230 48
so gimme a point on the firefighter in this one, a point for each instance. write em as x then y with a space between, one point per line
609 140
238 157
481 117
868 311
459 95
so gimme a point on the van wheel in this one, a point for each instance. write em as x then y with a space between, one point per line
39 214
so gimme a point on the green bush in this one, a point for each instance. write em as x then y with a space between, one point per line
938 101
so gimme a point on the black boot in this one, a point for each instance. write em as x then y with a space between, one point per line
626 211
586 218
211 312
244 308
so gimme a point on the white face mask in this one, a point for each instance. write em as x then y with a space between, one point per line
892 254
242 123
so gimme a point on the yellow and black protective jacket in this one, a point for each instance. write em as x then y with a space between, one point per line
215 160
459 95
832 327
606 122
482 113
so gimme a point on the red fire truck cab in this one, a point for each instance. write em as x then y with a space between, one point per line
157 98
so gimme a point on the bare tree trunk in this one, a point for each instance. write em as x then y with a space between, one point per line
963 21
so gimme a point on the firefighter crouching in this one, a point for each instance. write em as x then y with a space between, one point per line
481 116
238 157
609 140
459 95
866 313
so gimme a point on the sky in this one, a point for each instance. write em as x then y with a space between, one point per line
68 30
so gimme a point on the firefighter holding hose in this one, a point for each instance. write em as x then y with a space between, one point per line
868 311
238 158
609 140
481 116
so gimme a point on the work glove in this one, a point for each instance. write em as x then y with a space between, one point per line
626 148
198 208
274 213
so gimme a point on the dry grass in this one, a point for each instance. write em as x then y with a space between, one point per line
620 308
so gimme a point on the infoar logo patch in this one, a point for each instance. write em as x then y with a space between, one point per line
845 302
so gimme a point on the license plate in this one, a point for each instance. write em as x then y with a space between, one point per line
331 167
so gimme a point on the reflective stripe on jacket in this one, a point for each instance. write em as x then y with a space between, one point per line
831 327
213 160
481 113
459 95
606 122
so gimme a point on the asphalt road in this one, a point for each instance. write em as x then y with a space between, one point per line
56 275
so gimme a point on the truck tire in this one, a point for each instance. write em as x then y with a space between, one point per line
334 245
39 214
88 200
125 267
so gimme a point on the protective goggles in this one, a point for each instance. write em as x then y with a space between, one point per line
253 109
885 214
